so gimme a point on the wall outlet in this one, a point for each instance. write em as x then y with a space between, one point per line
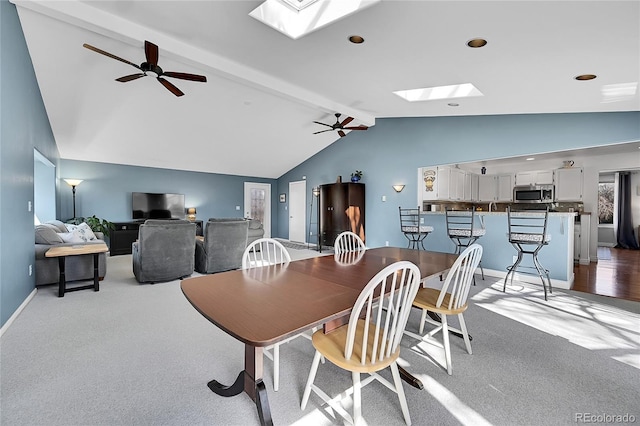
310 232
384 198
386 243
237 207
30 270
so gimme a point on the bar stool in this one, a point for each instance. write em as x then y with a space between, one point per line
528 234
411 228
462 230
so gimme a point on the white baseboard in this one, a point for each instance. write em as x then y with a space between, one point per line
23 305
606 244
533 279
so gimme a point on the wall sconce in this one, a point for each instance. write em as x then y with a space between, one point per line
315 191
191 213
73 183
398 188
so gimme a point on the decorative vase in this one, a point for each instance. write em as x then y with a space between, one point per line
355 179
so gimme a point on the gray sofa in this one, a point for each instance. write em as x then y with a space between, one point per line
164 250
222 246
77 268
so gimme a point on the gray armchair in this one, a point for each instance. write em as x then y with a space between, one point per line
164 250
222 246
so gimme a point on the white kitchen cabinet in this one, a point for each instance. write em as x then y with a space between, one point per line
487 188
569 184
505 187
471 186
576 242
443 183
497 188
540 177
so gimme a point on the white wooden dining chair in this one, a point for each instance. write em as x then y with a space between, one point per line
348 241
451 299
370 342
266 252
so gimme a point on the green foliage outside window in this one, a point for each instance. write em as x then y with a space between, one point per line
606 195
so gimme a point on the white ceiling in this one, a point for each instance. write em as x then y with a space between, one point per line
255 114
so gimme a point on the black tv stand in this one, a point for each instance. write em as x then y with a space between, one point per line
126 233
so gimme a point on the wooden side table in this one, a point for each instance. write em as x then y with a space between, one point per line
77 250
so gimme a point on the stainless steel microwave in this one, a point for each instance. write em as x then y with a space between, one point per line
533 194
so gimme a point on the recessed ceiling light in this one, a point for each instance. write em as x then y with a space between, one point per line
439 92
585 77
531 158
477 42
356 39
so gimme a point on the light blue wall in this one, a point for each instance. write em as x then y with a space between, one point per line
23 127
106 190
391 151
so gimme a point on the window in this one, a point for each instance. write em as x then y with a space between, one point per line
606 199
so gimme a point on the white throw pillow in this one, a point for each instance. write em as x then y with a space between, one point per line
84 231
71 237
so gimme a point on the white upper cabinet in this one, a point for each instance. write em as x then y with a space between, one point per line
442 183
487 188
495 187
541 177
569 184
471 181
505 187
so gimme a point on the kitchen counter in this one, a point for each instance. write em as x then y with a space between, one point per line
557 256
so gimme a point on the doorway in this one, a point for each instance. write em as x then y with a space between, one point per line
257 204
44 188
297 211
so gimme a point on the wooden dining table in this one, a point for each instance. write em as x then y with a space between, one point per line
266 305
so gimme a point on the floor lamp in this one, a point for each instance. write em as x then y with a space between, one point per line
73 183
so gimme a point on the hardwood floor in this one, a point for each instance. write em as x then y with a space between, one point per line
616 274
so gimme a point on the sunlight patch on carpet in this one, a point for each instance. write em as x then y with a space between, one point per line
592 325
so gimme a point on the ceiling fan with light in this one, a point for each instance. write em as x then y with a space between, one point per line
150 67
340 126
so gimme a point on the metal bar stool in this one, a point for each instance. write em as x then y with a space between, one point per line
528 234
462 230
411 228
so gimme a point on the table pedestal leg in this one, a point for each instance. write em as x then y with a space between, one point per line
250 381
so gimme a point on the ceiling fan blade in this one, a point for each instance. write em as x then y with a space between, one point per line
102 52
324 124
185 76
360 127
346 121
322 131
151 52
341 133
129 77
173 89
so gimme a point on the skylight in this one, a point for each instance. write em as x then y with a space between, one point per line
296 18
464 90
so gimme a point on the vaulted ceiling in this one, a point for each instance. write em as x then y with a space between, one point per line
255 114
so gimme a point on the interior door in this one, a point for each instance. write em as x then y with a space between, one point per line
257 204
297 211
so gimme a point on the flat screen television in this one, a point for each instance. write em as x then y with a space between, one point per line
147 205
